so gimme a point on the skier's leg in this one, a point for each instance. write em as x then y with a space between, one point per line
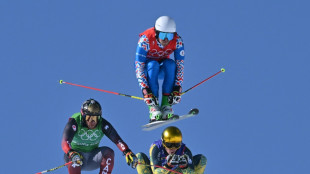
200 163
143 159
169 68
152 69
107 162
72 170
188 170
102 157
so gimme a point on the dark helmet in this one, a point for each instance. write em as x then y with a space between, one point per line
91 107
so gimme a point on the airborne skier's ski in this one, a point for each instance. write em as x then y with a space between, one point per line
157 124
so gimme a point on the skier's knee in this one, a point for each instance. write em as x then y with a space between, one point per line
169 63
107 162
108 153
153 65
142 158
200 159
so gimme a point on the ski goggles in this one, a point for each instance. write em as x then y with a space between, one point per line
92 117
172 145
164 35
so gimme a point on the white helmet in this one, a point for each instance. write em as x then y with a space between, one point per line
165 24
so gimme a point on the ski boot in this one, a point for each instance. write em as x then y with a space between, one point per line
166 109
155 113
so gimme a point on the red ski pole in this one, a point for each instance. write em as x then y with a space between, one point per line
116 93
45 171
222 70
135 97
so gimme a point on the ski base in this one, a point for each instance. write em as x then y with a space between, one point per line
157 124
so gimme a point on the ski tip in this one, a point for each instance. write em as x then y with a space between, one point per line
60 81
194 111
223 70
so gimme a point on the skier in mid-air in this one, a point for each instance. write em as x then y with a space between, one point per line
170 153
81 138
153 62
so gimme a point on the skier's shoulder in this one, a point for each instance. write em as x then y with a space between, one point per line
76 115
75 119
178 36
106 126
104 121
185 149
157 144
179 41
148 32
154 149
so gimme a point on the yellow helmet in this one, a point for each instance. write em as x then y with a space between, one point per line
172 137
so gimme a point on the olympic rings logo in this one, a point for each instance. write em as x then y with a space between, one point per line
155 53
89 135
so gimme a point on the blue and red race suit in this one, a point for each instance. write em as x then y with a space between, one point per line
153 61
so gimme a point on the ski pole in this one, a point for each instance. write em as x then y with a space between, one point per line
161 167
126 95
45 171
222 70
135 97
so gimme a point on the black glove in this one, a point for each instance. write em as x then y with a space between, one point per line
149 98
175 96
131 158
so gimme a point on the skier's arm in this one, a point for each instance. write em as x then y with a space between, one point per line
141 52
111 133
190 167
68 134
179 56
156 161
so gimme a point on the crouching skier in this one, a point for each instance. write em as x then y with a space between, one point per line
81 138
170 153
153 63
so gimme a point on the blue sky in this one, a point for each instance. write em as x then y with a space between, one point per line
254 118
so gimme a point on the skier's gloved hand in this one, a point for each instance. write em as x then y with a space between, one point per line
172 160
184 161
76 158
131 158
175 96
149 98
